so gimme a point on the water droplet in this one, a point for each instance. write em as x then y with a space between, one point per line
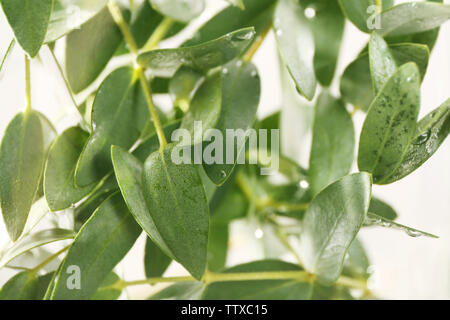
259 233
254 74
422 138
304 184
310 12
239 63
243 36
279 32
413 233
225 71
223 173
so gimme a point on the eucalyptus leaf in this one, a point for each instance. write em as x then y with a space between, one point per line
59 175
181 291
382 209
25 285
241 89
202 57
94 254
156 261
29 21
390 123
89 49
184 85
217 245
333 143
382 62
331 223
296 45
260 289
431 132
118 116
177 203
413 17
68 15
357 263
34 240
21 164
179 10
106 292
362 12
376 220
257 14
357 74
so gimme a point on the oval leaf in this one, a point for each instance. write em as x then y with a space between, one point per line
331 223
382 63
362 12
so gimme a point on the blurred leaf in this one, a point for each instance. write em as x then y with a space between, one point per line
390 124
202 57
331 223
237 3
179 10
357 263
296 45
25 285
217 245
333 143
184 85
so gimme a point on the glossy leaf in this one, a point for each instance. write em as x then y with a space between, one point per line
375 220
179 10
333 143
35 240
241 89
59 175
97 253
327 26
29 21
89 49
361 12
202 57
25 285
382 62
257 14
382 209
296 45
390 123
431 132
260 289
21 165
177 203
68 15
331 223
118 116
413 17
156 262
357 74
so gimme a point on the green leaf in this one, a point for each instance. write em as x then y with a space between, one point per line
375 220
177 203
296 45
118 116
68 15
382 209
260 289
205 107
156 261
89 49
25 285
333 143
181 291
413 17
241 89
257 14
21 165
184 85
431 132
331 223
106 292
59 180
217 245
228 203
35 240
29 21
202 57
238 3
357 74
99 246
179 10
382 62
359 11
390 123
327 26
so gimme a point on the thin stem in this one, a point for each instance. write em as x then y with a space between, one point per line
257 44
49 259
27 84
8 51
152 109
116 13
352 283
284 239
159 34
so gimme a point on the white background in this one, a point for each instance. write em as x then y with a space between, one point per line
405 268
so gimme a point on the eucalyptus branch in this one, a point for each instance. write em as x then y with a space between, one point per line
49 259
